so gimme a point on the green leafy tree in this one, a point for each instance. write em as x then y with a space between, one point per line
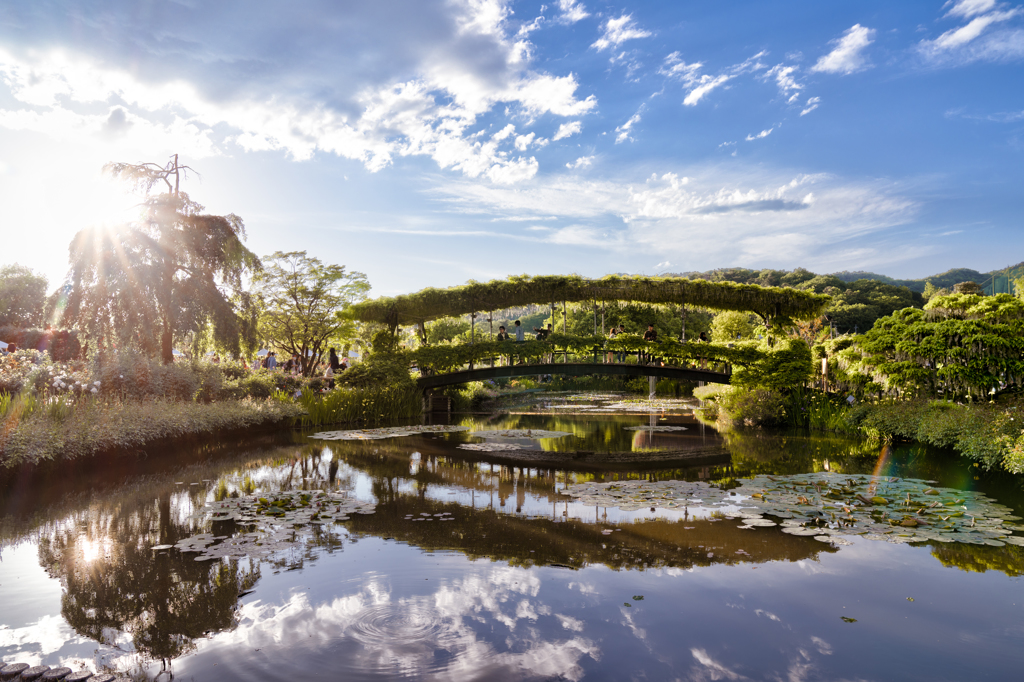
446 329
146 282
303 301
960 344
731 326
22 297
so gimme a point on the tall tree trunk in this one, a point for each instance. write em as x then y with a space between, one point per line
166 344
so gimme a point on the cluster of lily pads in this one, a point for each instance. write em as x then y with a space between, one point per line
275 521
658 429
386 432
489 447
828 506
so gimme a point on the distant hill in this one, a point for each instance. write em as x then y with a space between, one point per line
1001 281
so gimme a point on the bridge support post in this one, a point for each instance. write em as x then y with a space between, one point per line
653 383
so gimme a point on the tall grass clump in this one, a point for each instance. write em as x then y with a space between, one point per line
368 406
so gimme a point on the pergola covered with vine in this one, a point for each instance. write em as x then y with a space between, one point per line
774 305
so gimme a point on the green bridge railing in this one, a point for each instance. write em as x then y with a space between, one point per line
441 358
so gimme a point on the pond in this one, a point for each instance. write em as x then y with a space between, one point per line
580 537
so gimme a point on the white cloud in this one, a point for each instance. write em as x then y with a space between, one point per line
568 130
626 128
847 57
429 108
582 162
968 8
811 104
704 86
784 79
571 11
618 31
770 216
699 85
977 40
760 135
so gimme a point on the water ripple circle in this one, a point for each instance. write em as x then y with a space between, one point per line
397 624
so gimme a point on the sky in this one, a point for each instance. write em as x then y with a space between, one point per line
430 142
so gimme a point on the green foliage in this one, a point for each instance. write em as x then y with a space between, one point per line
784 367
87 427
301 299
734 405
431 304
446 329
22 297
142 284
987 433
732 326
960 345
366 405
379 370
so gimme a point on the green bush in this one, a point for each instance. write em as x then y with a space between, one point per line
754 407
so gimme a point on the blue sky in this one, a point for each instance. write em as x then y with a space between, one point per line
428 142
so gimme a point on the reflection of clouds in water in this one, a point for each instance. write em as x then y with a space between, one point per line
51 641
584 588
712 669
404 635
801 666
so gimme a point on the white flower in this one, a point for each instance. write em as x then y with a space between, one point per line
122 376
95 390
97 383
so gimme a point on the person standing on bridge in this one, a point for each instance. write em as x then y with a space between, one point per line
610 355
503 336
650 335
520 337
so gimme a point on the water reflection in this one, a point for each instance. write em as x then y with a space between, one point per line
523 583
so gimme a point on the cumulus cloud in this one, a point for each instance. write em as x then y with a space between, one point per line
571 11
848 55
425 99
582 162
568 129
618 31
983 38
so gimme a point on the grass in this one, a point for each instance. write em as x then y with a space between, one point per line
360 405
68 429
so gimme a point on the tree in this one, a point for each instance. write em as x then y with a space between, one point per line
302 302
22 297
729 326
147 281
446 329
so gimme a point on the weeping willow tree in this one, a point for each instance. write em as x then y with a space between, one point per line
959 345
773 305
171 271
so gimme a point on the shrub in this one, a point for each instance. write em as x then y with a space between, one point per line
754 407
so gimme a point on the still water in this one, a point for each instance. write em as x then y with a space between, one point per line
476 565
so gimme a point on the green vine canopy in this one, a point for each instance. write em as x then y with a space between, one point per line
773 304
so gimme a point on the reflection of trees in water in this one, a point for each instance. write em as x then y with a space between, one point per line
759 452
981 558
597 432
573 543
113 582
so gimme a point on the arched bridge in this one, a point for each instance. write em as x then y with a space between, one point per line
574 369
